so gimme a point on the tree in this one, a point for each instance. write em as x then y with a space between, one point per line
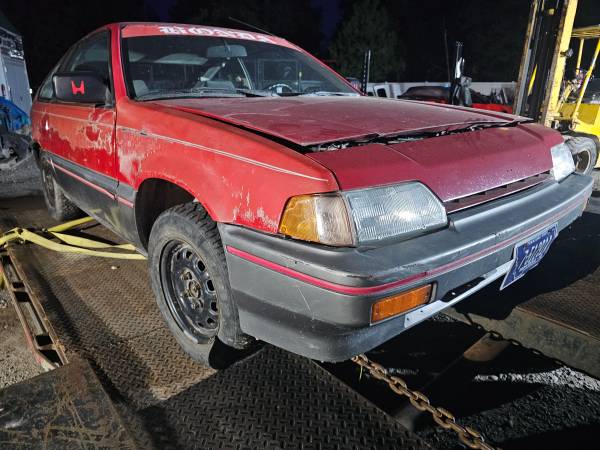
368 26
493 33
494 37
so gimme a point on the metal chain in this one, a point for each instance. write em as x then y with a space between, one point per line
515 343
468 436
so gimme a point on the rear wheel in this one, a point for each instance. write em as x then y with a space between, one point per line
191 284
58 205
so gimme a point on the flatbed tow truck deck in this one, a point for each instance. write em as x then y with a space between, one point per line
101 312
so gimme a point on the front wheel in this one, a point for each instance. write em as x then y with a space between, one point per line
191 284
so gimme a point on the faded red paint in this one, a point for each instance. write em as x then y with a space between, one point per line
313 120
81 133
210 147
240 177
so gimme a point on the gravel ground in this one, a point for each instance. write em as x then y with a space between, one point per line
526 402
24 180
4 300
519 401
16 360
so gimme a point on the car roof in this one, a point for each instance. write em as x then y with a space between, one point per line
136 29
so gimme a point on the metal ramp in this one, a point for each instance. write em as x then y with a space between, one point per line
62 409
102 310
557 309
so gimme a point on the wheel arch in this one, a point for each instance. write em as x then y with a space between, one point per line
154 196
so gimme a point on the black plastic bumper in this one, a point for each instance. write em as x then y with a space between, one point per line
316 301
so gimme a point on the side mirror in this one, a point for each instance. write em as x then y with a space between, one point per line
80 87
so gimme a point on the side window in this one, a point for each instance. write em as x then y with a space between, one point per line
91 55
46 91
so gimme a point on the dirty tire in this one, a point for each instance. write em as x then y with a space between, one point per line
188 271
584 154
58 205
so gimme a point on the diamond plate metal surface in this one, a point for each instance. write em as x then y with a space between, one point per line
104 311
61 410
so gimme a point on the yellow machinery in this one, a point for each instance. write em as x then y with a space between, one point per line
577 108
544 93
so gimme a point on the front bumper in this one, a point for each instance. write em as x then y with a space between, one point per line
316 301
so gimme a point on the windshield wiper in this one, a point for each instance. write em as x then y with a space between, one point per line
206 92
256 92
328 93
319 94
190 93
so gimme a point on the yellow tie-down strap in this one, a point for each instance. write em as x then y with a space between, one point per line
68 243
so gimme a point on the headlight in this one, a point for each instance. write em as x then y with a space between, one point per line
562 161
393 211
363 215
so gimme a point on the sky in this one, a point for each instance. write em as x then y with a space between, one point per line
161 7
330 8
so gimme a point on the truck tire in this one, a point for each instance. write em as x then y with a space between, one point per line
190 281
585 153
58 205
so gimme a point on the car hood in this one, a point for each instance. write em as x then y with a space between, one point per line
452 165
312 120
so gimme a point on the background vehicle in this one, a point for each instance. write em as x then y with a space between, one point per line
15 97
440 94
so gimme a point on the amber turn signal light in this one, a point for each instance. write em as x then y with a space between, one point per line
400 303
317 218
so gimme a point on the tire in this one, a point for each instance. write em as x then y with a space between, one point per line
585 153
59 206
190 281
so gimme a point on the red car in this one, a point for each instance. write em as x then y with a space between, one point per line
277 204
440 94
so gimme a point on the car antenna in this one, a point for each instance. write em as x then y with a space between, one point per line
233 19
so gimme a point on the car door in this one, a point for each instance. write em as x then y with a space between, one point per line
81 136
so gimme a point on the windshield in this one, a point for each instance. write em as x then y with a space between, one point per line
592 93
199 66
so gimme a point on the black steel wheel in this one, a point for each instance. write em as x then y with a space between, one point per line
190 281
192 298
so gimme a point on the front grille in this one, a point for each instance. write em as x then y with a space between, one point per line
493 194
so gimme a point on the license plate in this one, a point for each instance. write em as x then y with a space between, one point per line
528 254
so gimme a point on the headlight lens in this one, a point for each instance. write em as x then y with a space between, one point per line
317 218
392 211
562 161
364 215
